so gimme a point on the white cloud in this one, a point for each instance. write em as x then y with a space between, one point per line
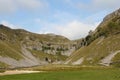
97 5
6 23
106 3
8 6
75 29
72 30
31 4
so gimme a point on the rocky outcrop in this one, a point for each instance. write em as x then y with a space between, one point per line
64 48
2 36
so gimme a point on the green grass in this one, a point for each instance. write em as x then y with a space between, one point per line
10 50
116 60
3 65
97 74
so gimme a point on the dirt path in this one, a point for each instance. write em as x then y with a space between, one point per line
11 72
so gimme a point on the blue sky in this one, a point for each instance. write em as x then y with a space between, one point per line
70 18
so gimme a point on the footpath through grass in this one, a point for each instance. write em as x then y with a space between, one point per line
95 74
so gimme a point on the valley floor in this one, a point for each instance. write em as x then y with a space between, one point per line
71 74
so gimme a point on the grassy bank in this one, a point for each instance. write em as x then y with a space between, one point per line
84 74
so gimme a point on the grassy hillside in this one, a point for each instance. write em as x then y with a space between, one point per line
19 45
97 50
101 42
9 50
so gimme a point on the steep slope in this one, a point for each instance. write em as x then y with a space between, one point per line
20 48
101 46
